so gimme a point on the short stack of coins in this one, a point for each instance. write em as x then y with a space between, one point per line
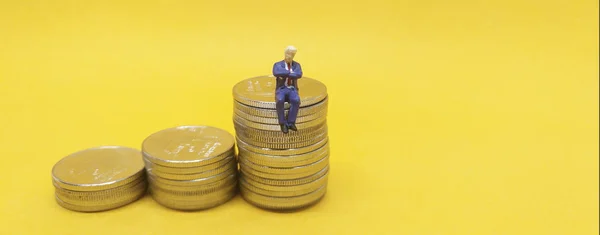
99 179
281 171
191 167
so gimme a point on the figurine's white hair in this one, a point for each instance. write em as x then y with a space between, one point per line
291 49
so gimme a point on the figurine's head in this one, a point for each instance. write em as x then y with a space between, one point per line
290 52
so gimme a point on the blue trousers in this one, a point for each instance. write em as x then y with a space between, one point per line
284 94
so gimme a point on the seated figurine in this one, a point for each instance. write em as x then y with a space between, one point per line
287 72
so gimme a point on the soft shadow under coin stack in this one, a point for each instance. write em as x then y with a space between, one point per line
99 179
281 171
191 167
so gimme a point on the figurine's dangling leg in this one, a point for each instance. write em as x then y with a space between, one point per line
279 104
294 106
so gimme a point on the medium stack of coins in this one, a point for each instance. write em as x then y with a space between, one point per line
191 167
99 179
281 171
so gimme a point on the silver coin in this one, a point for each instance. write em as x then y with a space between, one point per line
106 193
192 183
232 164
281 152
98 168
260 91
283 203
274 120
110 205
213 186
272 113
294 145
192 195
302 135
103 200
285 161
283 191
188 170
313 124
198 203
276 182
188 146
284 173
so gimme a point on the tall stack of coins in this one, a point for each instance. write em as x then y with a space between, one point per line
281 171
191 167
99 179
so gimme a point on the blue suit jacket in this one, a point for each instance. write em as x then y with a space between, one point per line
281 73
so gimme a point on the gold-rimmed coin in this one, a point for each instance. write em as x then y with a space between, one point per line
272 113
105 193
283 203
188 146
281 152
98 168
192 195
285 145
103 207
231 164
197 202
301 135
187 170
291 173
260 91
275 121
312 124
285 161
278 182
283 191
230 179
154 179
92 200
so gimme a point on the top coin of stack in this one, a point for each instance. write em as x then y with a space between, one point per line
99 179
279 170
191 167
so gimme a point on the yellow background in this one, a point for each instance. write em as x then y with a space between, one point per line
446 117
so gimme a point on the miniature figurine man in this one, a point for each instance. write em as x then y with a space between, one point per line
287 72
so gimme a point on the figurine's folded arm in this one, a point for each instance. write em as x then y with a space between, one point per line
278 71
297 72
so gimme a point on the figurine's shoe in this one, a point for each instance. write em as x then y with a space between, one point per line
284 128
292 127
